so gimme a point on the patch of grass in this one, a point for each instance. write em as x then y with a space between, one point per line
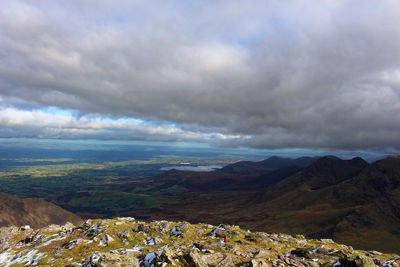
109 201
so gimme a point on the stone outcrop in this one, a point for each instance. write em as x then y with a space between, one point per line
127 242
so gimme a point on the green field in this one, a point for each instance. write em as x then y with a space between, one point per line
104 189
107 202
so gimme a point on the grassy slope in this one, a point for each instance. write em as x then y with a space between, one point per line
34 212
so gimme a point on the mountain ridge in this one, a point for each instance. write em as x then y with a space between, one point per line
330 198
265 166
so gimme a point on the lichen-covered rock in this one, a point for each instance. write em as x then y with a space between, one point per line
259 263
165 226
115 260
127 242
213 259
226 262
178 230
167 257
196 260
124 234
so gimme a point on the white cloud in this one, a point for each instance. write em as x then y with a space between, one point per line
44 124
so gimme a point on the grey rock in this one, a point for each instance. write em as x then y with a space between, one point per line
178 230
114 260
213 259
165 226
93 230
123 234
196 260
301 252
167 257
142 227
259 263
150 259
226 262
104 241
69 245
263 253
94 258
68 227
213 245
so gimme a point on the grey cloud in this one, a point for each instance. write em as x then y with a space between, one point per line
276 74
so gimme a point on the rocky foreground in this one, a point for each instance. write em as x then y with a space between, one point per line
128 242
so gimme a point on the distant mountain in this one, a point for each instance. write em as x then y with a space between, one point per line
324 172
243 175
347 200
265 166
350 201
32 211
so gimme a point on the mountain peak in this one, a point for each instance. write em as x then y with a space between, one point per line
329 170
266 166
335 161
329 159
127 242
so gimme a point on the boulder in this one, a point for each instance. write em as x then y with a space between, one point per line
165 226
178 230
195 259
69 245
167 257
143 228
226 262
301 253
213 259
113 260
259 263
123 234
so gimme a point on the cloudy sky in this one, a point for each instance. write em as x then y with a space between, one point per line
259 74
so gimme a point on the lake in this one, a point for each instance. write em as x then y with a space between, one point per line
206 168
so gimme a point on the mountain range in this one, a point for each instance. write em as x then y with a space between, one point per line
350 201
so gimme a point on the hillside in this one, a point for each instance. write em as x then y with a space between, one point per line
32 211
127 242
349 201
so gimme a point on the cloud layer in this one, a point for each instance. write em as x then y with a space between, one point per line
269 74
47 125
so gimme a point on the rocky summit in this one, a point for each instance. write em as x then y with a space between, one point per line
128 242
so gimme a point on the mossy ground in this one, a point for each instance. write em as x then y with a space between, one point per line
128 239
